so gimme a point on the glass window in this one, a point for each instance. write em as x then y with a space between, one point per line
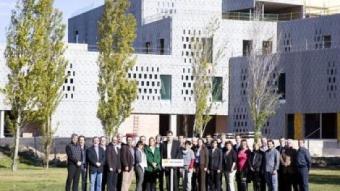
165 87
217 89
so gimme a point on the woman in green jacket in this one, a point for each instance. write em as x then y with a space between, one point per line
153 157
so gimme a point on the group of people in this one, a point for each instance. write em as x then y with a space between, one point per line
206 161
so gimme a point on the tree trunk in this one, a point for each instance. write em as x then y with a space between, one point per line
48 141
257 132
16 147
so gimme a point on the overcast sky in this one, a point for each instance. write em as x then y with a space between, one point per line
68 7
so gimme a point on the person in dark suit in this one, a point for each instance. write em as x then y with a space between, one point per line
238 143
128 162
281 149
113 164
201 164
74 163
229 166
171 150
215 166
255 167
81 142
96 158
289 171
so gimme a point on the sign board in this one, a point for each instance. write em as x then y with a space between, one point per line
172 162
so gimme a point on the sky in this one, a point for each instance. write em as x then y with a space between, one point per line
68 7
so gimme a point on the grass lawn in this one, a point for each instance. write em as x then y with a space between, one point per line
29 178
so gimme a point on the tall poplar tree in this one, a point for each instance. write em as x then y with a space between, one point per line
34 55
51 64
117 32
23 73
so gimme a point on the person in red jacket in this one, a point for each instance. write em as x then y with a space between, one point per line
242 164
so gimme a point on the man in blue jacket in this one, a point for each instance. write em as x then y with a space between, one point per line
303 164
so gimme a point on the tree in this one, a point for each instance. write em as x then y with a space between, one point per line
204 62
262 83
23 75
51 64
117 32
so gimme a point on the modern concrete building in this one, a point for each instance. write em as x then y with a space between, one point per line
309 58
163 70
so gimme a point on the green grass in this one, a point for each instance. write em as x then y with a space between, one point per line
29 178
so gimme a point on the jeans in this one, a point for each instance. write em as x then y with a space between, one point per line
272 181
96 181
230 180
303 174
73 173
187 180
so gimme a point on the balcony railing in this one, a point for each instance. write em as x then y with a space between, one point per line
153 51
263 17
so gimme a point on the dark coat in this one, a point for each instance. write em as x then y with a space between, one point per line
73 153
215 159
203 161
255 162
176 152
229 159
255 166
127 158
113 158
92 159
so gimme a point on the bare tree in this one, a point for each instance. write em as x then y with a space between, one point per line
203 68
262 81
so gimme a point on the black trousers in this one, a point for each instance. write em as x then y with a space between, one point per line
175 179
290 180
263 182
84 179
73 174
112 180
120 181
194 181
215 180
241 179
150 181
160 178
104 178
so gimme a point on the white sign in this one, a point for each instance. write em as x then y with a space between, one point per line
172 162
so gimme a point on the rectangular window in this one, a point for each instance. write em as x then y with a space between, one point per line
282 85
267 47
147 47
247 47
76 37
217 87
165 87
327 41
161 46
